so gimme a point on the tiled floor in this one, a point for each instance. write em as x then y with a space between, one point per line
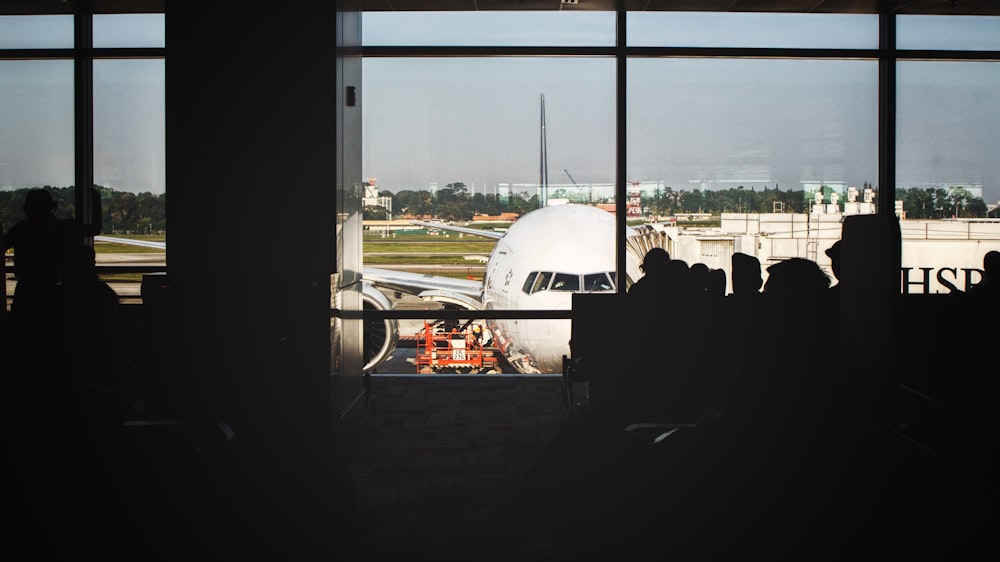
435 455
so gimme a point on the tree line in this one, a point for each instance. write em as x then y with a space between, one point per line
145 213
122 212
454 202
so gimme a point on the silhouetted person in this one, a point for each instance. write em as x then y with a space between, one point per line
42 247
697 270
742 308
647 290
60 447
746 277
662 378
743 489
833 252
91 317
990 285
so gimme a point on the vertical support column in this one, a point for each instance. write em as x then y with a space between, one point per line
621 171
83 71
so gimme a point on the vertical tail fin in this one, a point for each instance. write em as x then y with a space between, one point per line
543 171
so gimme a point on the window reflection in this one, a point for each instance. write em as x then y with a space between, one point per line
36 112
476 28
129 135
431 123
747 29
709 124
972 33
36 32
129 30
947 172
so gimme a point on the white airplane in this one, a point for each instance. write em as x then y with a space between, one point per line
537 264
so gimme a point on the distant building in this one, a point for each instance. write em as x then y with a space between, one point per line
502 217
373 199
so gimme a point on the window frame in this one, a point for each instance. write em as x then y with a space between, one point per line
83 54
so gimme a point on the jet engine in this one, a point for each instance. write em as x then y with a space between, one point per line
380 336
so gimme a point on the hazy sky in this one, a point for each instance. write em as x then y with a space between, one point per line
692 123
36 106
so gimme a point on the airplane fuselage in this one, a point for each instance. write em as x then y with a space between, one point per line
545 257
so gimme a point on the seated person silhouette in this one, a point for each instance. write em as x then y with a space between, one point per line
42 245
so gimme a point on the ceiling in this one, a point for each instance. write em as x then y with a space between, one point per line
937 7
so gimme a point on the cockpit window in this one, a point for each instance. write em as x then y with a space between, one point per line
597 282
529 282
566 282
542 281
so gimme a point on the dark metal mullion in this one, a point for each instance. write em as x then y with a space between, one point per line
621 161
621 48
452 314
936 55
887 112
752 52
83 96
473 51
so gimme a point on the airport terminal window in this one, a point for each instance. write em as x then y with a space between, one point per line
118 144
777 103
947 172
752 29
721 124
36 32
489 28
36 139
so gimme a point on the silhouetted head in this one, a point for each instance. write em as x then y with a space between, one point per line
677 276
991 264
746 274
698 269
655 260
714 282
38 202
833 252
796 277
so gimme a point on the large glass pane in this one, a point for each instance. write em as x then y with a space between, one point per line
947 172
129 162
473 126
129 133
481 143
766 150
36 138
36 32
747 29
969 33
490 28
129 30
36 124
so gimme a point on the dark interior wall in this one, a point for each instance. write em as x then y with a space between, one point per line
250 150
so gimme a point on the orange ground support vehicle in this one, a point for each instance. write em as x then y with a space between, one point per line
458 350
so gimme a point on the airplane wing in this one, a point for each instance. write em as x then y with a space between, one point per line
464 292
464 230
418 283
130 242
